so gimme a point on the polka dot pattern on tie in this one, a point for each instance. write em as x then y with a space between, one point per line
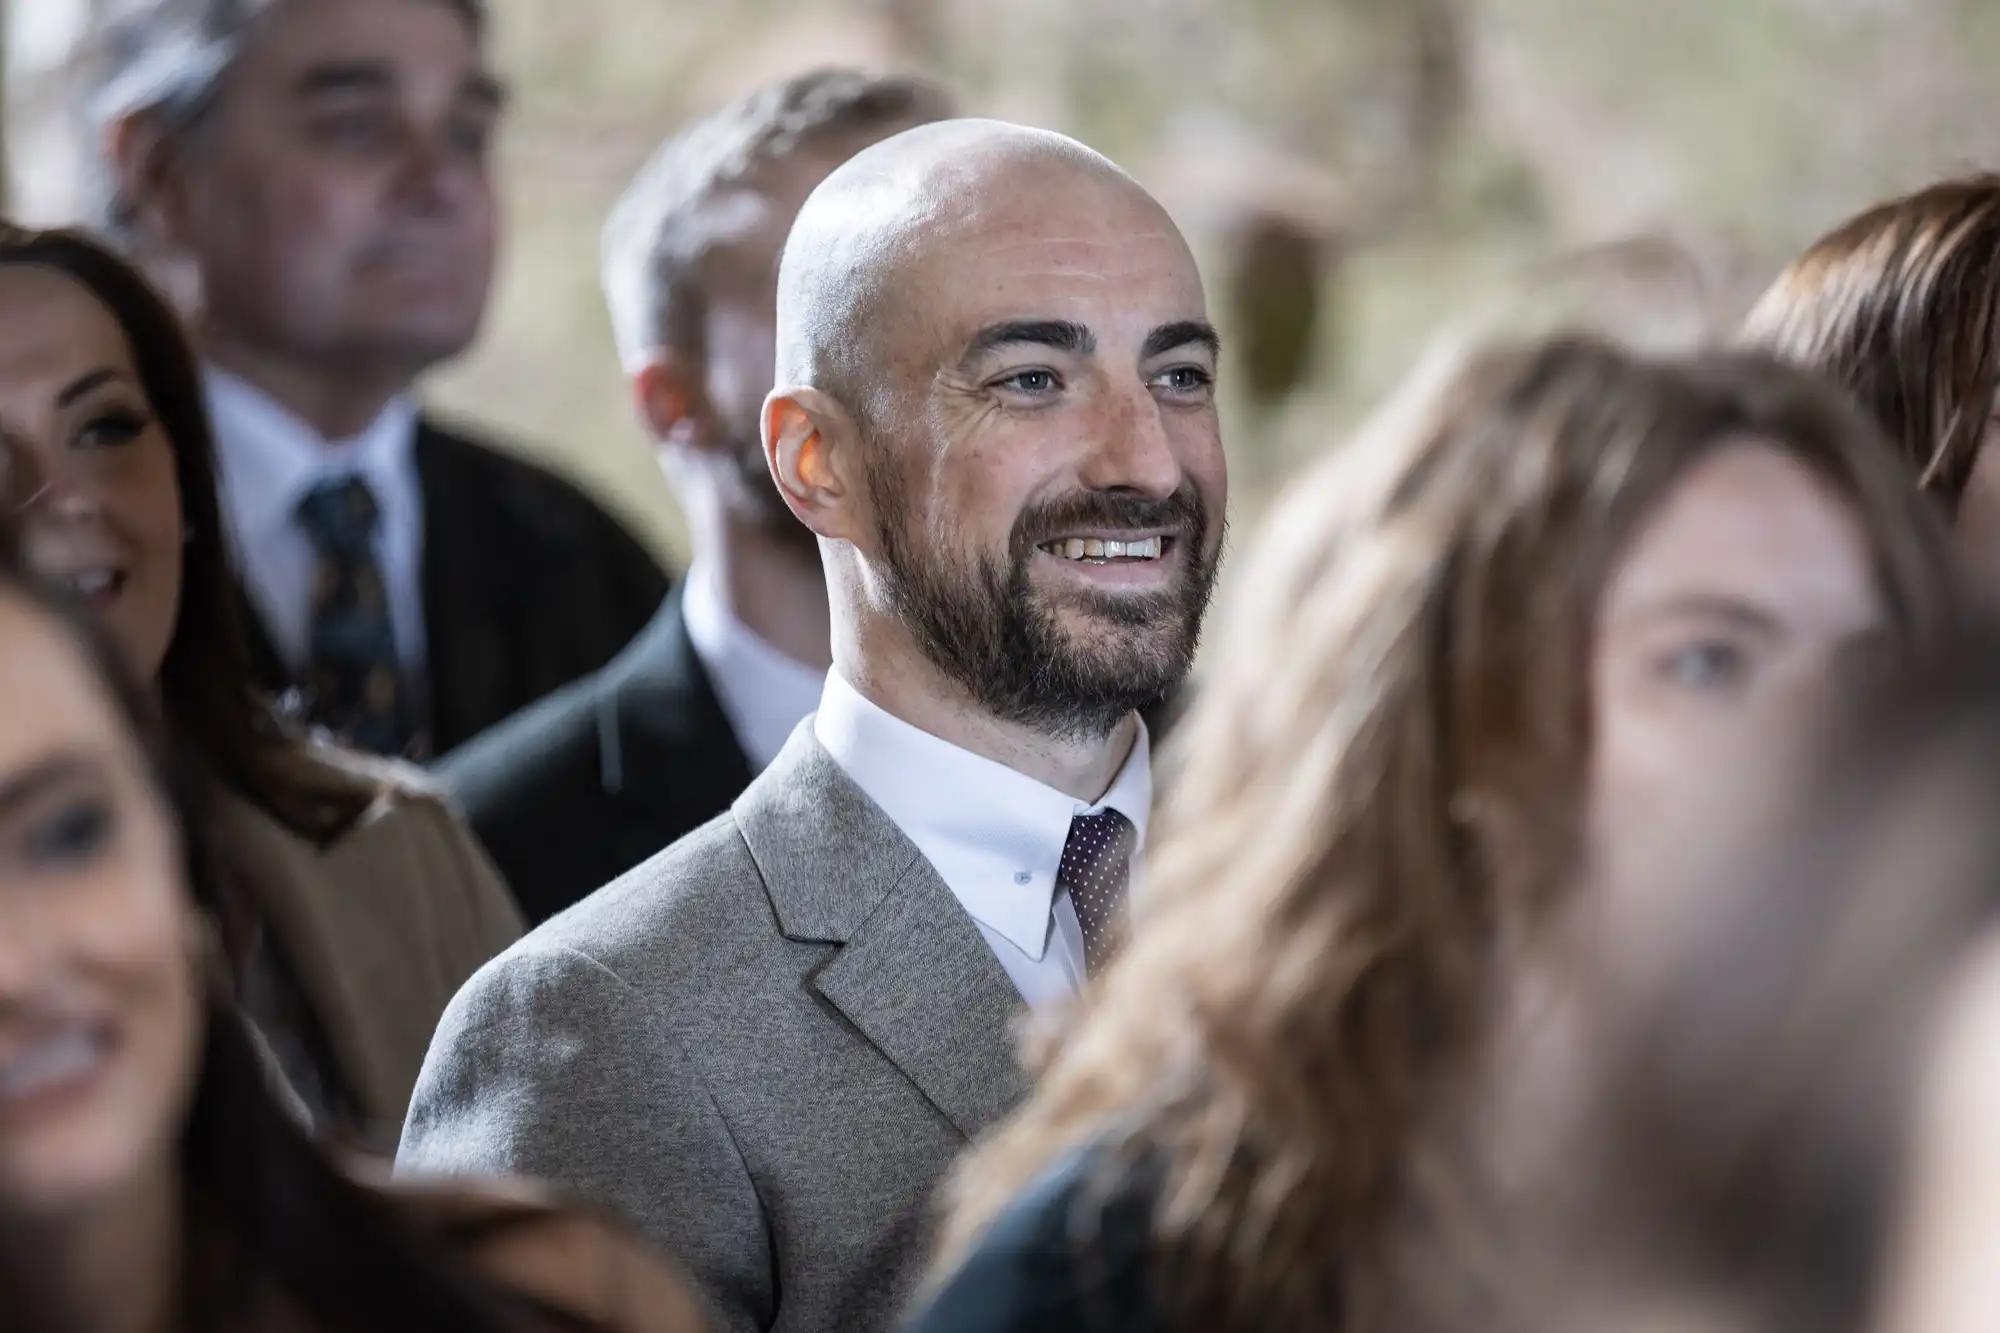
1096 871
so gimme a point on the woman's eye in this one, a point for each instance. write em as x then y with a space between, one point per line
111 429
1706 666
1030 382
74 833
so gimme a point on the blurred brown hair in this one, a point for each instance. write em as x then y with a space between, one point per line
1383 780
1899 306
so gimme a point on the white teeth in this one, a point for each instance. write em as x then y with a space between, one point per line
1148 549
52 1062
1093 548
1114 550
1073 548
91 582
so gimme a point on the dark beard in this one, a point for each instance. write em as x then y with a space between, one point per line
980 622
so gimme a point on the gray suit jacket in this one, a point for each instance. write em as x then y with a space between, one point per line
766 1045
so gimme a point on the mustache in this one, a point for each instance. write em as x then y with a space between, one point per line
1181 514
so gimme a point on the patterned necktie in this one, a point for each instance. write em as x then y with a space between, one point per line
1096 869
354 684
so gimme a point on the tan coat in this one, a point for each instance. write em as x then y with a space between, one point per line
382 927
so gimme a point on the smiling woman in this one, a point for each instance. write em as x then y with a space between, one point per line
371 903
149 1176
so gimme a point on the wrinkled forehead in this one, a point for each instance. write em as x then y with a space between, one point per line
1052 244
360 44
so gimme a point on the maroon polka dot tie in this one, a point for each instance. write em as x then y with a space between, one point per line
1096 869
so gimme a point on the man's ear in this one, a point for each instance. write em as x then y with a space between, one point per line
668 397
147 177
813 450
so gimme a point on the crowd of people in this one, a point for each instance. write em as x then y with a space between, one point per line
1564 902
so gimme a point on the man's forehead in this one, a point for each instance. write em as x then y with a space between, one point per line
395 35
1130 280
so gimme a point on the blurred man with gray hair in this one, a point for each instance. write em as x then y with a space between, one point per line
597 778
314 179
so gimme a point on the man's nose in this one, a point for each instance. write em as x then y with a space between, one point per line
435 178
1133 450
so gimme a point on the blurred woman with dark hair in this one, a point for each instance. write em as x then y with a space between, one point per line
1901 306
150 1177
1483 656
369 902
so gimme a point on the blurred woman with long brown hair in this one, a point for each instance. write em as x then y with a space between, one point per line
1900 305
1483 655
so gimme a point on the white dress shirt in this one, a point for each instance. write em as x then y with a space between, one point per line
995 836
763 693
269 460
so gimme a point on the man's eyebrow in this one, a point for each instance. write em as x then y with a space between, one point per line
345 76
1184 333
374 76
1061 334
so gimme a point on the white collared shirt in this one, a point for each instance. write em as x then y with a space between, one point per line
763 693
269 460
995 836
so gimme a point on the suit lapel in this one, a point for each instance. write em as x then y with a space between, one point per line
669 750
469 576
913 974
920 983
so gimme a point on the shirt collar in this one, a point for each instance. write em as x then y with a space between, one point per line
765 693
270 458
993 834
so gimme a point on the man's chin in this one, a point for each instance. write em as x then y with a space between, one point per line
1146 662
418 336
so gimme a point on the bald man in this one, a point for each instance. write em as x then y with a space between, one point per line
996 411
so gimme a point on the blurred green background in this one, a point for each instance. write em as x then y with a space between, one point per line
1352 171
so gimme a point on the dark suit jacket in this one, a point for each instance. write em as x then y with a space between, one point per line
1070 1254
527 585
594 779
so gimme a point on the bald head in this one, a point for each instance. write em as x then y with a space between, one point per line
996 408
860 270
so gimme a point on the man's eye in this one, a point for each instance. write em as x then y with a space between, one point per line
472 137
1030 381
1186 379
352 129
